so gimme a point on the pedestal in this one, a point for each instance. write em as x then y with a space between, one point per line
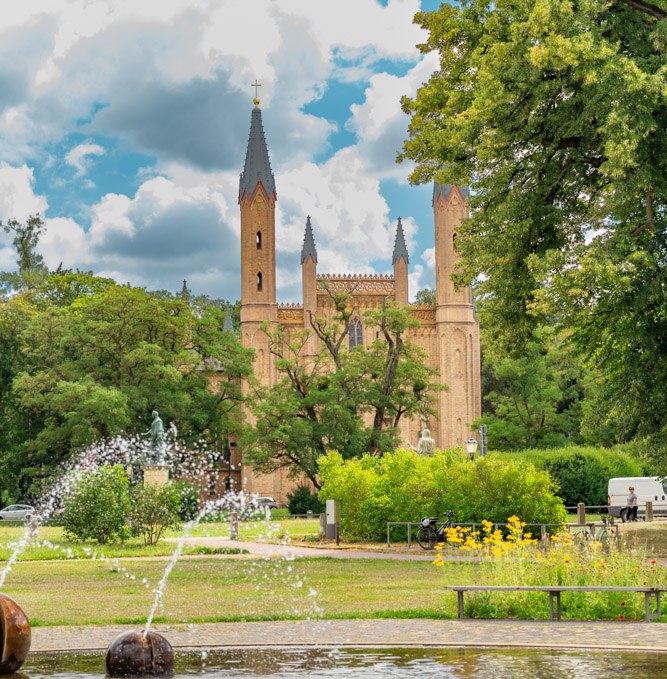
156 475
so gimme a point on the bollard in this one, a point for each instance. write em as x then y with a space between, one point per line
649 511
581 513
234 526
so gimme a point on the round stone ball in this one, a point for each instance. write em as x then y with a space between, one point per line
14 635
134 654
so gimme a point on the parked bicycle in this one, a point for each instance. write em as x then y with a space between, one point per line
430 533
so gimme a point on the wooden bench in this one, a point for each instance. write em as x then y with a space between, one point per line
555 592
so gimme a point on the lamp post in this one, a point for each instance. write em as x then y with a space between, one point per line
471 447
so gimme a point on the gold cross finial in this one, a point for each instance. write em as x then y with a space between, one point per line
256 85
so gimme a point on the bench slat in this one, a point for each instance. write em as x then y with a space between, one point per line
550 588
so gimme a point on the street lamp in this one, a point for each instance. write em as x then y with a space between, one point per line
471 447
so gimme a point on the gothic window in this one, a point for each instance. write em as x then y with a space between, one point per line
259 281
356 337
211 486
259 240
454 236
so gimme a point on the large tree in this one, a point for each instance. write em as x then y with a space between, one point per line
351 401
555 113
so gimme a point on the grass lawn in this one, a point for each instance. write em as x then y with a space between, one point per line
218 589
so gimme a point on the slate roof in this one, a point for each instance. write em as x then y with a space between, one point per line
400 249
444 189
257 166
308 249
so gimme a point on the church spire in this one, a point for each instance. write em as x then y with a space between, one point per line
400 249
257 168
308 249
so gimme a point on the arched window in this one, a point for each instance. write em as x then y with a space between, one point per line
356 336
259 240
454 237
259 281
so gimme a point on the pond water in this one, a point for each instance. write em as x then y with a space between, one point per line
390 663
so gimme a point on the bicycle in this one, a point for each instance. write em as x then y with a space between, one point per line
430 533
587 534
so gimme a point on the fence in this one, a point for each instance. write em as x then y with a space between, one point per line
592 528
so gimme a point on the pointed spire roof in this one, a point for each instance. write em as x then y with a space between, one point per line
257 166
400 249
228 323
445 189
308 249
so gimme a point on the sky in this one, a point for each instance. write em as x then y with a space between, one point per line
124 123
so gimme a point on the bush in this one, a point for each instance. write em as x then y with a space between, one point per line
303 500
154 510
188 505
582 472
403 486
97 505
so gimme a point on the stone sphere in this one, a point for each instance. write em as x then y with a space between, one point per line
14 635
134 654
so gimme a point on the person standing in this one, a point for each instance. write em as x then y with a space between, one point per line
631 504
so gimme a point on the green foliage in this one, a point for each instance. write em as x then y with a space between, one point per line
534 398
425 297
403 486
347 400
154 510
554 113
303 500
87 359
581 473
97 505
31 268
188 499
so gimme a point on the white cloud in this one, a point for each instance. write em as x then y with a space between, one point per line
17 197
380 124
79 156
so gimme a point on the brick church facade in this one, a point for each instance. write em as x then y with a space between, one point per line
448 332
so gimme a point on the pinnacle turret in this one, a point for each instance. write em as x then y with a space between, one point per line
257 166
400 249
308 249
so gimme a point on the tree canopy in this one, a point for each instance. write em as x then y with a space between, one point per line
351 401
88 359
554 112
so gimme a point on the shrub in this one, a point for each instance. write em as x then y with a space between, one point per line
154 510
403 486
97 505
188 505
582 472
303 500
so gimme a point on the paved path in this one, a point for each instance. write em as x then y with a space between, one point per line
379 633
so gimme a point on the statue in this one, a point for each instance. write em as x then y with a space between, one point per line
426 445
156 434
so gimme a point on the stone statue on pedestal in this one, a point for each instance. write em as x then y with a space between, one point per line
156 434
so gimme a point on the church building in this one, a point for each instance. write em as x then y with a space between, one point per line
449 330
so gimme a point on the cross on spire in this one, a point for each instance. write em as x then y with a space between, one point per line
256 85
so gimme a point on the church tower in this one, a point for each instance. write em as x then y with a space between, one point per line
257 199
457 329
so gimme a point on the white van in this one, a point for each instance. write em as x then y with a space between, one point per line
647 489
